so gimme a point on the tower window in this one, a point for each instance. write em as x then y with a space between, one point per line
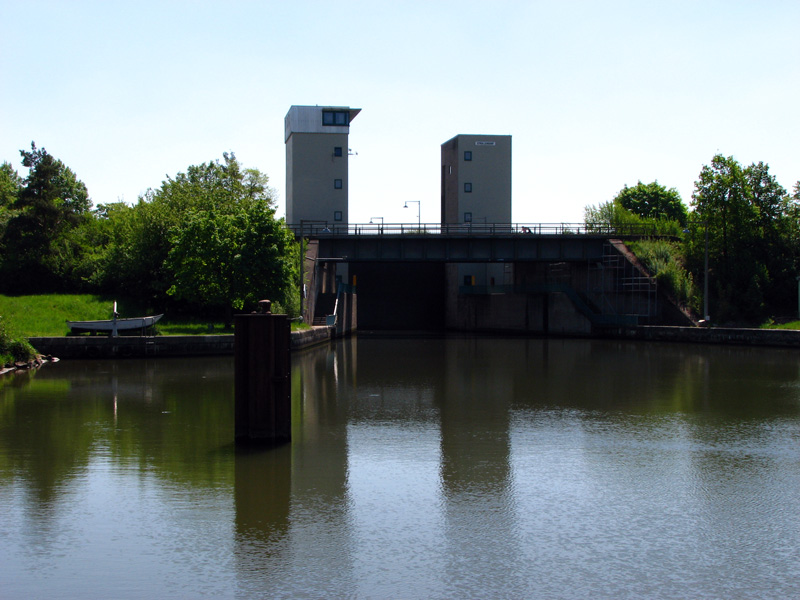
336 117
467 217
337 215
467 188
337 184
467 154
337 151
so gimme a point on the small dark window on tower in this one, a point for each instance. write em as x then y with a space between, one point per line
337 215
337 151
467 188
467 217
467 154
337 184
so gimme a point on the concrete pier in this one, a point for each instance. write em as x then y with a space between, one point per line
263 399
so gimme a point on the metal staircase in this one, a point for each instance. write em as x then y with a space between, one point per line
620 288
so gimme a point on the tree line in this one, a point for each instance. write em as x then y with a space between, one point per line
205 242
742 220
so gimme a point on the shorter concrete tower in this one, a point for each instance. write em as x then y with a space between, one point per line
476 179
476 195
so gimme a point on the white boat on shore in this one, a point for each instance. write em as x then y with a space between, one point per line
113 325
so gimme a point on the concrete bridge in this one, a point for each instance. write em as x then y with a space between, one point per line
540 278
465 243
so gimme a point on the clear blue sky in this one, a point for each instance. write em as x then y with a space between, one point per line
596 95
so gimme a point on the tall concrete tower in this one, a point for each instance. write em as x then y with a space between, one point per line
316 164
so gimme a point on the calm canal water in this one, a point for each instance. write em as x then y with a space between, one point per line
424 468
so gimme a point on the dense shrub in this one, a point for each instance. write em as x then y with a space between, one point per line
12 349
663 259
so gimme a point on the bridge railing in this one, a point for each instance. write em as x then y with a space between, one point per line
324 229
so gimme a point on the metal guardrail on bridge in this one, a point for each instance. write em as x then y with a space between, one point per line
327 229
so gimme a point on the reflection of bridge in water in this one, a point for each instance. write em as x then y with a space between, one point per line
542 278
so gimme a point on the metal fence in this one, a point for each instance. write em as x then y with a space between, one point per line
324 229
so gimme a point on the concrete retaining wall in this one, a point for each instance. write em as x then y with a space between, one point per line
785 338
199 345
168 345
310 337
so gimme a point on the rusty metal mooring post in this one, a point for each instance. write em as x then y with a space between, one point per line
262 383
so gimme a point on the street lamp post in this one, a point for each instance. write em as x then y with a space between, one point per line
381 218
705 279
706 316
798 295
302 266
419 206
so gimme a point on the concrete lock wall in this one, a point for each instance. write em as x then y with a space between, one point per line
547 313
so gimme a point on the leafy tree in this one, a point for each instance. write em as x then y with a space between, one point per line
213 185
653 201
42 247
53 192
752 239
230 260
10 186
137 244
191 240
611 216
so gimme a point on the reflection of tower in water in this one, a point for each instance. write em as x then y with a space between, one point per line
293 497
477 480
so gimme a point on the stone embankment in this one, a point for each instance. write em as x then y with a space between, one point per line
88 347
26 365
778 338
93 346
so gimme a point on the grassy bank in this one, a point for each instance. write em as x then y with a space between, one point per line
773 325
46 315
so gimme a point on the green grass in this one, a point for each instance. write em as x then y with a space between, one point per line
196 327
773 325
46 315
191 327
